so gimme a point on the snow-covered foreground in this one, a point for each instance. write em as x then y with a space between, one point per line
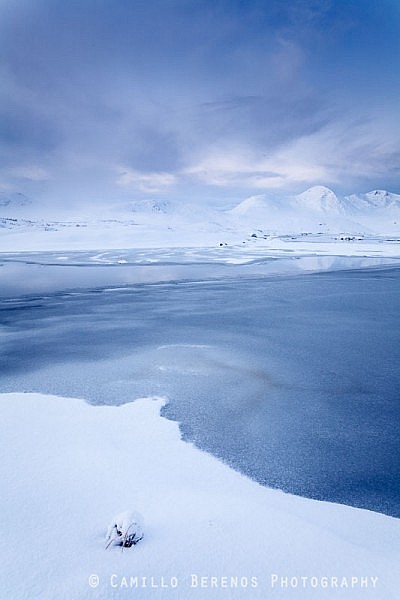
209 531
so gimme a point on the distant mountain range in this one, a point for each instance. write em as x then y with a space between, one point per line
315 200
320 199
317 210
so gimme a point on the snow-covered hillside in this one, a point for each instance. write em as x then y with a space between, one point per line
13 199
149 205
261 205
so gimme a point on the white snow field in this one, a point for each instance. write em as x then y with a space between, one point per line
365 220
209 532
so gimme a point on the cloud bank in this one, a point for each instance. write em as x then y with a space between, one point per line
102 101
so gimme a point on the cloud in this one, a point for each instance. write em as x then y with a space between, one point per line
15 178
351 149
145 182
342 152
29 172
256 95
244 169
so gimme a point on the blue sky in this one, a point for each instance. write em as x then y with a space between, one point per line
104 101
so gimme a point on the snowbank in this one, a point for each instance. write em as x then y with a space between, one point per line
68 467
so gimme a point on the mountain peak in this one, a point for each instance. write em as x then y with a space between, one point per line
319 198
375 199
249 205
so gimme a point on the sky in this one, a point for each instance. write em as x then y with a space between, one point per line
103 101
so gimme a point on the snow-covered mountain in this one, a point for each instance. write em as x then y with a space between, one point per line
320 209
150 206
319 199
377 199
256 205
322 199
157 223
13 199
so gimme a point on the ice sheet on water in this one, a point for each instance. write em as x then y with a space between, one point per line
38 273
291 380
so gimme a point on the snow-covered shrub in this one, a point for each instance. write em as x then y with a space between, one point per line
125 529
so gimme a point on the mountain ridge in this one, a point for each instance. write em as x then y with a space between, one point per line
321 199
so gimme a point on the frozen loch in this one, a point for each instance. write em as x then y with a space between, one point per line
290 380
